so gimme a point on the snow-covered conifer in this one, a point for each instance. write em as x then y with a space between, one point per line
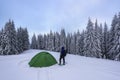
10 39
63 38
57 41
34 42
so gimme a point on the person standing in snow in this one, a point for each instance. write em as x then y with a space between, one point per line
62 56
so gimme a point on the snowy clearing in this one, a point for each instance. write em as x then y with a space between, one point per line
15 67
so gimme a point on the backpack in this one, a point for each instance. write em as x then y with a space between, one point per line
65 52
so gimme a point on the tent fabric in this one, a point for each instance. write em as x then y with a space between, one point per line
42 59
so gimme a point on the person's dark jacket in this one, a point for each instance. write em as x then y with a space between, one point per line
63 52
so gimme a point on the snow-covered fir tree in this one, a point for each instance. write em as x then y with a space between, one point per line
96 29
81 43
68 41
92 47
105 42
0 38
50 41
63 38
112 36
101 39
26 43
78 42
20 39
45 42
89 40
116 46
98 35
40 41
3 42
34 42
9 39
73 44
57 41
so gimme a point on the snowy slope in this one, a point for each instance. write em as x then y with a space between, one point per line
15 67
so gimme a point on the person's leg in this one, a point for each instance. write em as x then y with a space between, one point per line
60 60
63 60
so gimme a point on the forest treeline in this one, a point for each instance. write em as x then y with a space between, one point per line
96 41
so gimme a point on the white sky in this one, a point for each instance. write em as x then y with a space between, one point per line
41 16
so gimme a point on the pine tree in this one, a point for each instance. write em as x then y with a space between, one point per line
63 38
98 36
89 51
105 43
78 42
51 38
68 41
0 38
92 47
51 41
112 36
45 42
116 46
40 41
20 39
81 43
73 44
3 42
57 41
25 39
9 44
34 42
101 39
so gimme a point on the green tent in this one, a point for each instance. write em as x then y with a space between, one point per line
42 59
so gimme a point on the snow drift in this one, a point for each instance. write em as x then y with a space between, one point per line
15 67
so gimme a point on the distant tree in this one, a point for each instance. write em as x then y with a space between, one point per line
105 43
63 38
82 44
40 41
45 42
78 42
92 47
26 43
50 41
20 39
73 44
112 36
96 29
9 44
57 41
89 51
101 39
98 37
51 38
68 41
0 37
34 42
116 47
3 42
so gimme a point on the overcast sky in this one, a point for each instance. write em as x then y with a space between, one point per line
41 16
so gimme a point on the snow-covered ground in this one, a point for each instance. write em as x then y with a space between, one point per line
15 67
